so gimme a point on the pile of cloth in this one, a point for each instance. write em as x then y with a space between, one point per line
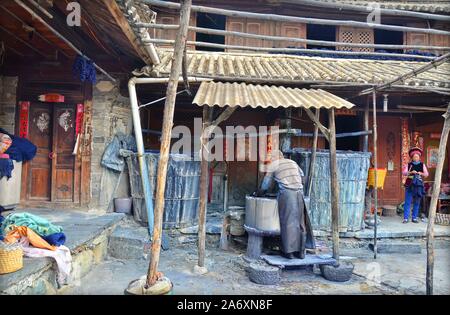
38 237
13 148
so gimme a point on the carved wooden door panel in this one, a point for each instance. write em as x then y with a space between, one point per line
39 170
63 162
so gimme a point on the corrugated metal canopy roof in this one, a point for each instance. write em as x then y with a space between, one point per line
241 94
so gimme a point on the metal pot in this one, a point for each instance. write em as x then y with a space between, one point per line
261 213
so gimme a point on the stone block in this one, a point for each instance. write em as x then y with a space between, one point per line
262 273
81 264
129 243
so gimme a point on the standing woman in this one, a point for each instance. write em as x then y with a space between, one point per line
414 188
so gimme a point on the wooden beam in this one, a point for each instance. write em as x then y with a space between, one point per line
337 7
122 22
35 31
204 167
321 127
434 199
211 31
312 163
334 185
294 19
288 50
422 108
375 162
169 109
24 42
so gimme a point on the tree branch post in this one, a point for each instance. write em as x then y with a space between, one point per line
169 108
434 200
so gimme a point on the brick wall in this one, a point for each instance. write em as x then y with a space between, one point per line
8 88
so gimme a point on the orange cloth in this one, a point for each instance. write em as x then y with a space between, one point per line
32 236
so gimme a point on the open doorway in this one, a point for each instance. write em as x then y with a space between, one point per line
346 124
321 32
389 38
214 21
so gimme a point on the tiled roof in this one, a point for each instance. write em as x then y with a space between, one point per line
431 6
270 68
242 95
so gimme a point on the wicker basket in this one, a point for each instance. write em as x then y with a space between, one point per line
11 258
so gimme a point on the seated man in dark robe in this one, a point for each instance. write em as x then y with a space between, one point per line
295 227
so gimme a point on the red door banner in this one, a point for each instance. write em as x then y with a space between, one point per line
23 119
79 119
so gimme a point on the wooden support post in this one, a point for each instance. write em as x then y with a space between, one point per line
334 186
313 154
434 200
375 164
366 127
321 127
285 123
169 108
207 115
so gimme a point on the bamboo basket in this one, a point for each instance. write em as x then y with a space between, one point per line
381 173
11 258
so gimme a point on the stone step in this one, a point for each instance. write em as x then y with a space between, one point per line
129 243
87 239
397 248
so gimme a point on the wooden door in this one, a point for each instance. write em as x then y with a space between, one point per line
63 162
52 176
39 170
389 157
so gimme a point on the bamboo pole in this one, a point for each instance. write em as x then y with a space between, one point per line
289 50
432 64
422 108
169 108
375 158
362 8
211 31
434 200
334 185
322 128
294 19
313 154
207 114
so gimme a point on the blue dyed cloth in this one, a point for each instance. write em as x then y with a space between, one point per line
84 69
6 168
56 239
21 149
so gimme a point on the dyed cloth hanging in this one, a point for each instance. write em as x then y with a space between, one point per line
84 69
21 149
6 168
39 225
56 239
34 239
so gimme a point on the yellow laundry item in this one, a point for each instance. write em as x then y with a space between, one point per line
35 240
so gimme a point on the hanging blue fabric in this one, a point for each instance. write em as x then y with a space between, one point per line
6 168
21 149
84 69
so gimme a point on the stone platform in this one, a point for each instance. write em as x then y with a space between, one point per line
87 238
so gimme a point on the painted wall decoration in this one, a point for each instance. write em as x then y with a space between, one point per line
43 122
432 157
24 108
64 120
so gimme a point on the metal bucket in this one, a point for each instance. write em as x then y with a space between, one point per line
261 213
123 205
